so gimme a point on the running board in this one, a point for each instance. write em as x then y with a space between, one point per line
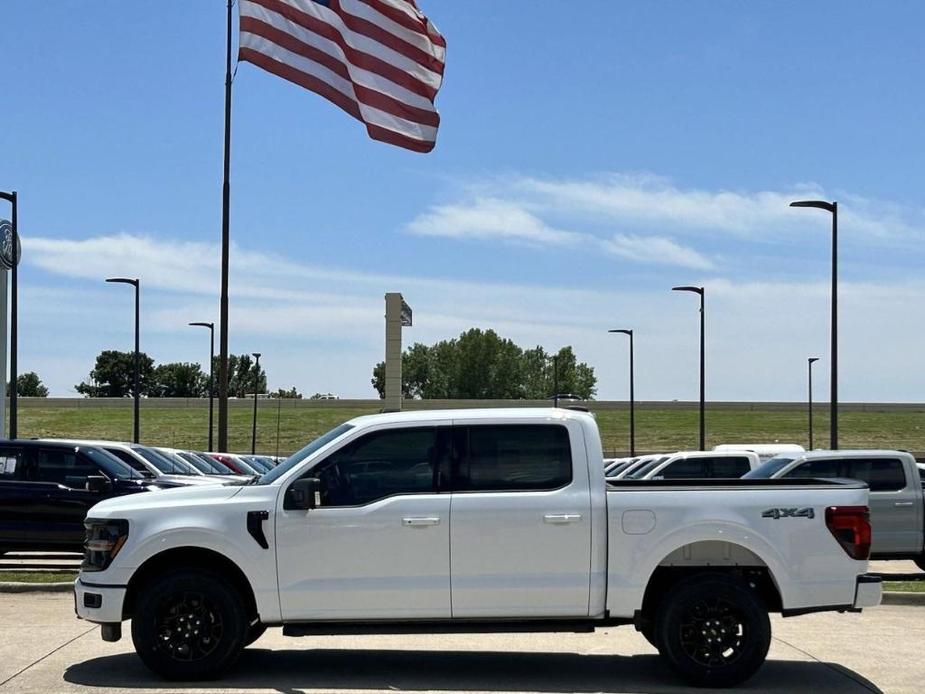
459 626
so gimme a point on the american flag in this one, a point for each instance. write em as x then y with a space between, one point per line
381 61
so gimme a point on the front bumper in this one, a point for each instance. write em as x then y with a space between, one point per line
868 591
98 603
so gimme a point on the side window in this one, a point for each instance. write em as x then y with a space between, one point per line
63 466
520 457
127 458
730 466
381 464
824 469
881 474
690 468
12 462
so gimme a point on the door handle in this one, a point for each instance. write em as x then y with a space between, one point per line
903 503
560 518
411 522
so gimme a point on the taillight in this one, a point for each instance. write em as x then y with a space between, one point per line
851 527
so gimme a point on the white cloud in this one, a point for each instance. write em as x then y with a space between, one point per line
489 218
320 329
639 218
655 249
511 221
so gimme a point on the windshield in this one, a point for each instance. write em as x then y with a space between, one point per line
217 467
646 468
770 468
111 464
256 463
162 463
196 463
301 455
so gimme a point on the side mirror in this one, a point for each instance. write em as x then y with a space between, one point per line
303 495
98 484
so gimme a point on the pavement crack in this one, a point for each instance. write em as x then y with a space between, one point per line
830 666
50 653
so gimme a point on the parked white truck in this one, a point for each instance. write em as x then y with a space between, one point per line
472 520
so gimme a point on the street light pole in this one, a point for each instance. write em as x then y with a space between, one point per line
632 394
833 365
135 377
555 380
256 388
211 327
810 401
703 427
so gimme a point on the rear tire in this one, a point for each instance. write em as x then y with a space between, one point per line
713 630
189 625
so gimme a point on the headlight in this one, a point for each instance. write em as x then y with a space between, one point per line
104 539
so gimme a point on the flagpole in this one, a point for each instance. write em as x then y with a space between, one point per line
223 311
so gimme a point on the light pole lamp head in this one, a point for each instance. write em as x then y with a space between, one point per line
256 355
813 359
202 324
625 332
819 204
124 280
695 290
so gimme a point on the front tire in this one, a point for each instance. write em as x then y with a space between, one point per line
254 632
713 630
189 625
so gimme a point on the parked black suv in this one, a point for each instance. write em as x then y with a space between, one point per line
47 488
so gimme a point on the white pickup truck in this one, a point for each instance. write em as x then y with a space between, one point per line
472 521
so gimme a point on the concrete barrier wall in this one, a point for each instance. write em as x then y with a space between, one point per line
594 405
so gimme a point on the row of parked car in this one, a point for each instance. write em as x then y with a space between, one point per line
895 480
48 485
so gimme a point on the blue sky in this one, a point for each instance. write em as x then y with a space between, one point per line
591 155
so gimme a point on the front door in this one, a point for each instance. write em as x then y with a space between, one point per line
377 546
520 530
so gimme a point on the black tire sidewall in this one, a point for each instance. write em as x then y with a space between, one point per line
254 632
731 589
226 599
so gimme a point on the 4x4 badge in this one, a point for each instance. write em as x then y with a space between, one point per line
777 513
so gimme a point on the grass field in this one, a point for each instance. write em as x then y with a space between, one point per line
657 429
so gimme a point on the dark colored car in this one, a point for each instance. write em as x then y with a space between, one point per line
47 488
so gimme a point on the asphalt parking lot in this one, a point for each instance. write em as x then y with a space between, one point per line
44 648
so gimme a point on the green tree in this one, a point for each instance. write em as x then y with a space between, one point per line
291 394
179 380
29 385
111 377
241 376
482 365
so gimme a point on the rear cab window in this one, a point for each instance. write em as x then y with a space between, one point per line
730 466
881 474
511 457
12 464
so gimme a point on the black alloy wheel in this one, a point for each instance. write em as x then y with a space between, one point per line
189 626
713 629
712 632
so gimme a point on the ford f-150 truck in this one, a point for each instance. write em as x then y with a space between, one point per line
472 520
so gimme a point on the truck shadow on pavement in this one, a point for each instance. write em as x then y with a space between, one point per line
331 669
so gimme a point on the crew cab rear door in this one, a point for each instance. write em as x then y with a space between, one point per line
520 530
